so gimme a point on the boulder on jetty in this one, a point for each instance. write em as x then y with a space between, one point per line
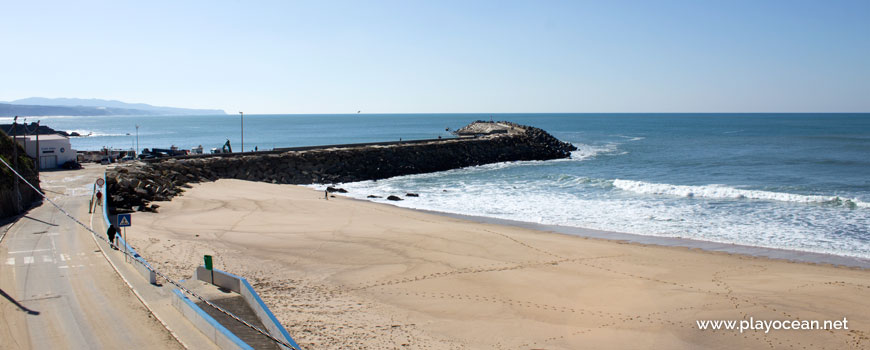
138 184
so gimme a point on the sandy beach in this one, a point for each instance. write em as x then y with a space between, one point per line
348 274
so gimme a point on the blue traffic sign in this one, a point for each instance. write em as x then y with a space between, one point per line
124 220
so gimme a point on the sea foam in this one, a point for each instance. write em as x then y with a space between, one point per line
725 192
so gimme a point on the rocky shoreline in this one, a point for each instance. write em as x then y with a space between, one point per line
134 187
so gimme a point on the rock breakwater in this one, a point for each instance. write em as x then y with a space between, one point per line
133 187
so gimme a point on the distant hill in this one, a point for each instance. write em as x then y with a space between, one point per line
79 106
9 110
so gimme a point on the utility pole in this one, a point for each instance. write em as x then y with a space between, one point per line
242 114
24 124
15 165
137 140
38 163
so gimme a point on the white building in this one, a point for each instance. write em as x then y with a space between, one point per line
54 150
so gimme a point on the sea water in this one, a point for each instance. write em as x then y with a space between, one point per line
789 181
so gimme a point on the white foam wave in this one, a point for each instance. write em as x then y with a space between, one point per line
631 138
802 228
724 192
90 133
585 151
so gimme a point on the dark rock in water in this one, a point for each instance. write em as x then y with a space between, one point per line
74 134
372 196
331 189
411 195
341 190
394 198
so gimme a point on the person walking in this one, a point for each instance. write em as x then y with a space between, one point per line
111 232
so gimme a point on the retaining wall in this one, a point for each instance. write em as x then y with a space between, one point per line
240 285
206 324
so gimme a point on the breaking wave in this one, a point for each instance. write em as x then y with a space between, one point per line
89 133
724 192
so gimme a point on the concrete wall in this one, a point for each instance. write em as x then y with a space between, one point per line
206 324
240 285
221 279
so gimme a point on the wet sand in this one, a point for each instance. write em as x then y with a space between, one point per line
348 274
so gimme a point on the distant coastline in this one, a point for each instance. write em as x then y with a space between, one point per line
39 106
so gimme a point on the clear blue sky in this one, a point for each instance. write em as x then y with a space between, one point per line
443 56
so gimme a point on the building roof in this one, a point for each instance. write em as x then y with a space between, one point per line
43 137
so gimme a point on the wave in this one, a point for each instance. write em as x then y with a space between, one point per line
631 138
585 151
90 133
552 201
724 192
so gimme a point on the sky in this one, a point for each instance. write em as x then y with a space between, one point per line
443 56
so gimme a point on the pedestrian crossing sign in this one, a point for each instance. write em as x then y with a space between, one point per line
124 220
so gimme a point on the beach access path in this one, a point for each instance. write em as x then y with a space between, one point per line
344 273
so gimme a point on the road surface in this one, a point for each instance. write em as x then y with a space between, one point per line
57 291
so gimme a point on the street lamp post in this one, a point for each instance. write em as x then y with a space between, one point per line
242 114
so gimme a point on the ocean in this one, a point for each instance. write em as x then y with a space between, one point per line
797 182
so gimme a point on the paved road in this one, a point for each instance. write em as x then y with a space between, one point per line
57 291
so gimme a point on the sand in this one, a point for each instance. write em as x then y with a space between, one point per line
349 274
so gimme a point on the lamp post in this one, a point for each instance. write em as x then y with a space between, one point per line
137 140
242 114
17 206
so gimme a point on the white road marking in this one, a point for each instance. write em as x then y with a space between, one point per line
29 251
10 261
47 258
64 257
28 260
70 266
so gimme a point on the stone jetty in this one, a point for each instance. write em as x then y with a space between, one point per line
134 187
